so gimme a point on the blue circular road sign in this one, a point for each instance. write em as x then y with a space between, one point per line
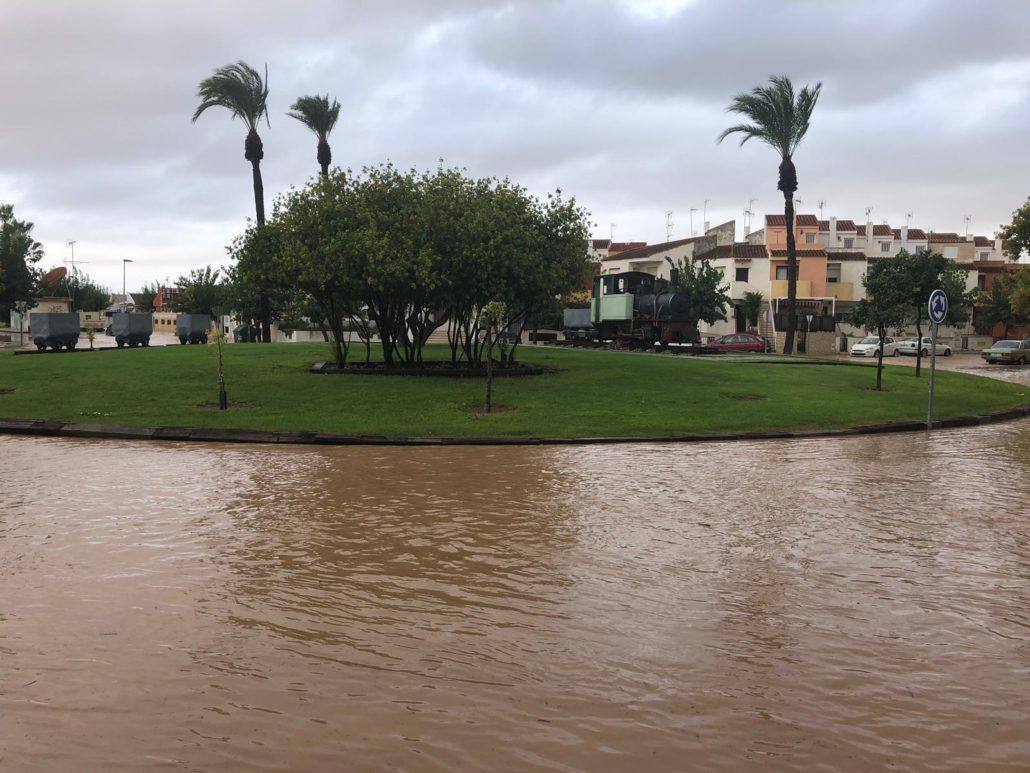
938 306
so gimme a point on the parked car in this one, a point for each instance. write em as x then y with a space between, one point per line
738 342
870 347
1008 352
912 346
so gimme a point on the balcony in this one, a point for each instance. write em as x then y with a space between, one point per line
842 291
779 288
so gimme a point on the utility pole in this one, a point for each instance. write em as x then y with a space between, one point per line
125 296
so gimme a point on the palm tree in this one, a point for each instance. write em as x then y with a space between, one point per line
319 115
780 119
243 92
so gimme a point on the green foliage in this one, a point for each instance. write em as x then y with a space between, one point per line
779 117
317 113
19 254
146 296
257 254
751 305
86 294
885 304
240 89
702 284
202 292
410 252
1006 303
1017 233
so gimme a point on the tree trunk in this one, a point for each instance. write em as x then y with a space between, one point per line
254 151
325 157
879 359
489 375
792 276
919 341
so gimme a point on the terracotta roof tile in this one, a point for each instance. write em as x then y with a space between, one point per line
599 244
741 250
646 250
625 246
781 220
845 255
945 238
983 241
880 229
800 253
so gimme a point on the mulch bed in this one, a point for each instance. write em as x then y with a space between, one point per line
6 391
435 369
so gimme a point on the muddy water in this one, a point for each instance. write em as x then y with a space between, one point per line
850 604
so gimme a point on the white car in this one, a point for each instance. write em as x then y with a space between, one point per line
912 346
870 347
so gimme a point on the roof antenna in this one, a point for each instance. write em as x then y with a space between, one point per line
692 211
611 232
668 226
967 219
822 205
908 217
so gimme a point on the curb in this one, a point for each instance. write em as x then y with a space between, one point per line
216 435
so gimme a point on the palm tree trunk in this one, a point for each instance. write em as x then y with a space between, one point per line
789 184
254 151
325 157
792 275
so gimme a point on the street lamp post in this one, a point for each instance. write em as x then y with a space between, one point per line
125 297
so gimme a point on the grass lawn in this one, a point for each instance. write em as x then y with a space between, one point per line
593 393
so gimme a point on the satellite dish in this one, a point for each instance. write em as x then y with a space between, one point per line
54 275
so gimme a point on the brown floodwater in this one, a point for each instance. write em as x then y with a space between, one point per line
850 604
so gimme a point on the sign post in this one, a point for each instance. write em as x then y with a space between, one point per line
938 308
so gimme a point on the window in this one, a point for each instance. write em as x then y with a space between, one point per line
833 272
809 238
781 272
981 282
985 256
741 274
885 246
849 243
951 252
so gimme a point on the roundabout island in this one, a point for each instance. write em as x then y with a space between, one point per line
579 396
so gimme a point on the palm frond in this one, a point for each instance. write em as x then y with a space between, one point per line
240 89
779 116
317 112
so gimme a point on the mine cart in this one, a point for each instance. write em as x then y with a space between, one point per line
54 329
192 328
577 324
132 329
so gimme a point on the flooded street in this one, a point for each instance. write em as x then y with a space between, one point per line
848 604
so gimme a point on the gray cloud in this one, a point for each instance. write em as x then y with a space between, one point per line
925 107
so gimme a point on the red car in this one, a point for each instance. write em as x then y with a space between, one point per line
738 342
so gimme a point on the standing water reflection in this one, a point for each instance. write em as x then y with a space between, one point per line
855 603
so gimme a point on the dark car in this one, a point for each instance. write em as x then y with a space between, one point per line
738 342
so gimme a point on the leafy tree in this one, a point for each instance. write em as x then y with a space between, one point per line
202 292
19 254
751 306
885 304
320 116
257 270
701 282
780 119
146 296
1006 303
925 272
85 294
241 90
1017 233
1021 296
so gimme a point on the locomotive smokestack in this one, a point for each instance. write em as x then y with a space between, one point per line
674 275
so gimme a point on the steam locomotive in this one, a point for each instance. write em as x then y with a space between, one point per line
636 308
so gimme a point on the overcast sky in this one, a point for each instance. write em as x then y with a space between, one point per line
925 109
